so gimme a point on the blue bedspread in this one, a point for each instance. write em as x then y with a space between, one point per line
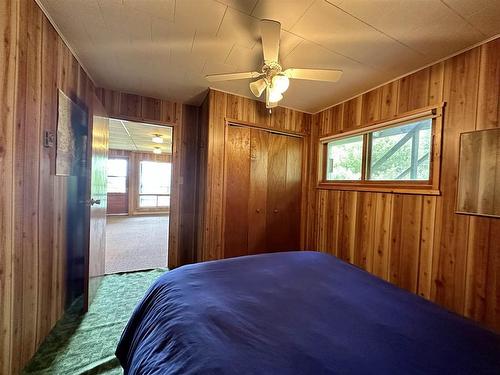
296 313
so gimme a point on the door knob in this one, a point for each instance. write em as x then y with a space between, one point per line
275 211
94 201
257 210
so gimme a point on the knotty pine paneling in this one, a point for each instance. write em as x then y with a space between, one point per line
33 203
218 107
418 242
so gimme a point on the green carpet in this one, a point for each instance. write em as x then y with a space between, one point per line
85 344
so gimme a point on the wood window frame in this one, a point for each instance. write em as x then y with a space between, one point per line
428 187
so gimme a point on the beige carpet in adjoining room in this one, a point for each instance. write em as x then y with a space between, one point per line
136 242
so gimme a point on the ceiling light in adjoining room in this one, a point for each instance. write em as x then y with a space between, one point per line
157 151
157 138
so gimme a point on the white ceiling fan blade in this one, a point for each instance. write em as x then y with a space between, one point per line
270 33
330 75
232 76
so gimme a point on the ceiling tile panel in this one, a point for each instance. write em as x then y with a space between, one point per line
427 26
484 15
164 9
245 59
245 6
336 30
288 42
288 12
204 15
211 48
239 27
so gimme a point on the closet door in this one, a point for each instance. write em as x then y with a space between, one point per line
277 222
257 200
262 192
236 223
293 192
284 193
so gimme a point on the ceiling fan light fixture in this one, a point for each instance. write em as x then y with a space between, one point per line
272 78
258 87
274 95
157 138
270 105
281 83
157 151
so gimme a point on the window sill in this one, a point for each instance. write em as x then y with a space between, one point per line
151 210
419 189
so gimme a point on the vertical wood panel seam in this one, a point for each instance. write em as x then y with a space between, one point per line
40 126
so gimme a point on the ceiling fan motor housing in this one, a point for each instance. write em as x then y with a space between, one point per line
271 69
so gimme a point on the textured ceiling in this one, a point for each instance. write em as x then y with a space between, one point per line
164 48
134 136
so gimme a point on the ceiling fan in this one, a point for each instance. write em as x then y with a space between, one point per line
272 78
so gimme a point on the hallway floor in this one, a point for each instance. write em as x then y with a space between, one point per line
136 242
85 344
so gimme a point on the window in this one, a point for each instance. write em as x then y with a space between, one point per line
345 158
154 184
396 154
117 175
401 152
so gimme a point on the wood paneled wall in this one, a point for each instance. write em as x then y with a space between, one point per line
418 242
140 108
34 63
183 119
218 107
8 55
190 186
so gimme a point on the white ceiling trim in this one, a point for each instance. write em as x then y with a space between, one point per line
58 31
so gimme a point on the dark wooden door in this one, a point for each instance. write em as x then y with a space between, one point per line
97 202
257 199
277 222
263 192
284 192
237 191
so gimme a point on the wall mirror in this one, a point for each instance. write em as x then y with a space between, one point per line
479 173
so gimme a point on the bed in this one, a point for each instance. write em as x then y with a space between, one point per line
296 313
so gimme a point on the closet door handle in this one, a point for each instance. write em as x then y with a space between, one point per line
257 210
275 211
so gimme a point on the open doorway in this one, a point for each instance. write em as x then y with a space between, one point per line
139 176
